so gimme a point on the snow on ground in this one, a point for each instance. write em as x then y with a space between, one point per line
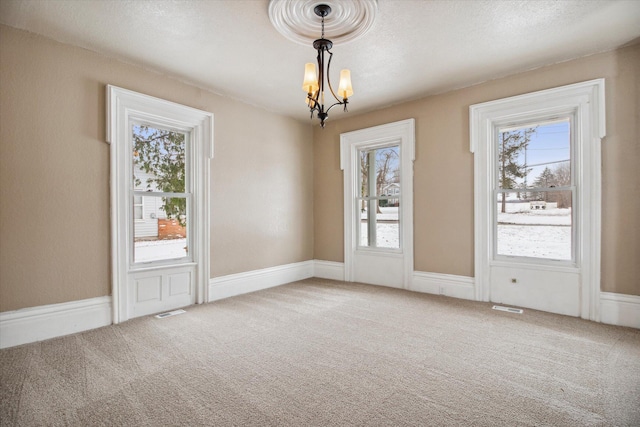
538 233
154 250
540 241
535 233
531 233
387 229
386 214
387 235
537 217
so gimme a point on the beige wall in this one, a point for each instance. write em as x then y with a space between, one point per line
443 180
269 181
54 174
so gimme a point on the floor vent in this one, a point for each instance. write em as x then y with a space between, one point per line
169 314
508 309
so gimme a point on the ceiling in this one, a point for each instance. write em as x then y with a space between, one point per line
414 48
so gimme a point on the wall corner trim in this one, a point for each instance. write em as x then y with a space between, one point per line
620 309
328 269
33 324
255 280
449 285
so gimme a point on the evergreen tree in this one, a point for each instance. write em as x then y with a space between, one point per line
546 179
512 143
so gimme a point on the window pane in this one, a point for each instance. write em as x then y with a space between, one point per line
379 197
535 156
540 227
387 167
384 229
363 228
158 159
530 222
363 187
379 171
388 228
137 207
162 234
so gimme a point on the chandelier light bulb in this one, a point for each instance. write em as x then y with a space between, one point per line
345 90
310 83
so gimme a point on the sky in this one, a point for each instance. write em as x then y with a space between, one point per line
549 144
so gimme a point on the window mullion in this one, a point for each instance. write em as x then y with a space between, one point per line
161 194
372 204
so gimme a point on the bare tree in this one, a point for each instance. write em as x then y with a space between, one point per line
562 173
364 178
387 169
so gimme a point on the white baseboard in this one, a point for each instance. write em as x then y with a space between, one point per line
49 321
431 283
55 320
620 309
444 284
328 269
251 281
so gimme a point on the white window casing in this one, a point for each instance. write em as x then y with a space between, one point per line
124 107
585 104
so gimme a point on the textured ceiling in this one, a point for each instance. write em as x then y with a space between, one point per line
415 48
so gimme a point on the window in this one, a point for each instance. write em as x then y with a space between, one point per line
378 198
533 258
378 230
159 168
138 208
535 191
160 171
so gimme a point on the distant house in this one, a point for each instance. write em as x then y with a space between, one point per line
392 189
150 219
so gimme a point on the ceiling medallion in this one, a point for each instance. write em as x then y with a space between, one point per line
297 21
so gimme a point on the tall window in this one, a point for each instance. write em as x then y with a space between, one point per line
537 203
379 198
159 170
535 190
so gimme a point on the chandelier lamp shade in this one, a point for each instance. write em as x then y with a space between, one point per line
316 80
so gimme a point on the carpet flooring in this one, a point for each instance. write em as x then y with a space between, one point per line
327 353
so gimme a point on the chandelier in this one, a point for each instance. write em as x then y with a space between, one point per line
316 81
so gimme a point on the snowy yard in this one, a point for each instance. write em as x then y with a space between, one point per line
535 233
154 250
538 241
537 217
387 228
538 234
387 235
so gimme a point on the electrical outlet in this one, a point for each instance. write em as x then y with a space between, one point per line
441 290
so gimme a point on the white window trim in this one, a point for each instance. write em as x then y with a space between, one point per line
122 106
586 101
403 134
